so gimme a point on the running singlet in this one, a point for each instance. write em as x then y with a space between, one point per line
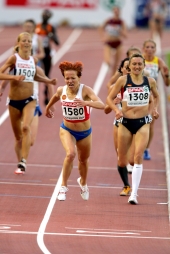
136 95
35 44
152 67
71 112
44 32
113 27
24 67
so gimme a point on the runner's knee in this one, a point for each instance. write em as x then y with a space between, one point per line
25 129
70 156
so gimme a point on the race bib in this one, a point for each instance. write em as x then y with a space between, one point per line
72 112
137 96
152 69
27 70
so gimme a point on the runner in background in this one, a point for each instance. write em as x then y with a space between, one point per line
153 65
123 70
156 10
112 32
47 32
117 74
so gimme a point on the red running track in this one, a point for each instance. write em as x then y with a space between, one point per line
104 224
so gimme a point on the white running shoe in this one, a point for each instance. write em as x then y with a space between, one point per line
62 193
84 190
21 168
18 171
132 199
129 168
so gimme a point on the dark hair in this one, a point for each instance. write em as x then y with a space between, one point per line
137 55
47 13
30 21
67 66
122 64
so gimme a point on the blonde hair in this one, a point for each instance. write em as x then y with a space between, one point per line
149 40
131 49
16 48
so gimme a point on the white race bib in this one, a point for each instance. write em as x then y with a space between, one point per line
137 96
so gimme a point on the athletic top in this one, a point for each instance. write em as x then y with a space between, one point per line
152 67
136 95
113 27
44 33
119 105
71 112
24 67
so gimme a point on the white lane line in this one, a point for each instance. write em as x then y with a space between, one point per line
66 46
165 132
11 225
3 57
85 235
60 166
111 233
97 86
41 231
4 116
6 54
99 81
162 203
157 40
165 135
76 186
106 229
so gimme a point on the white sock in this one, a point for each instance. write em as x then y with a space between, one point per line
129 166
136 177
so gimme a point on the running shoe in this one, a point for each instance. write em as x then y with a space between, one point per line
21 168
129 168
133 200
84 190
18 171
146 155
62 193
126 191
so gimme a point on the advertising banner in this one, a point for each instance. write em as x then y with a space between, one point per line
89 4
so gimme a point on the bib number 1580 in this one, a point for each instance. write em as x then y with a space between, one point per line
73 111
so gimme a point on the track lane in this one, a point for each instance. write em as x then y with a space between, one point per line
105 209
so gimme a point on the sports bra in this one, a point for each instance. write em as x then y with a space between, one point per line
136 95
113 27
152 67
